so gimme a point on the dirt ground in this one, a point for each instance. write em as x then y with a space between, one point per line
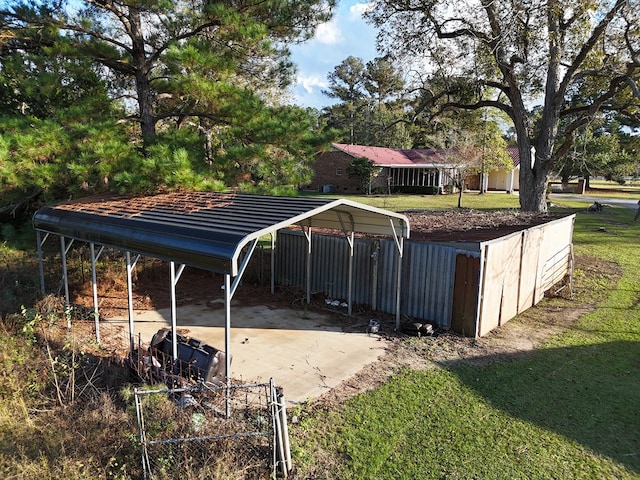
518 337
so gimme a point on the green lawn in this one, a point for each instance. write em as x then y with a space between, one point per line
569 411
473 200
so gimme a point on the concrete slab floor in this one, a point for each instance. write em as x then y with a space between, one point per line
306 353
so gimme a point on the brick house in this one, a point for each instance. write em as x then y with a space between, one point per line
406 171
410 171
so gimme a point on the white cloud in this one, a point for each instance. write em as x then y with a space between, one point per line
360 9
328 33
310 82
346 34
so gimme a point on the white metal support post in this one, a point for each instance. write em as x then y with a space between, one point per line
227 342
41 241
307 235
351 241
349 235
229 290
273 263
94 286
175 276
130 266
400 247
64 249
65 279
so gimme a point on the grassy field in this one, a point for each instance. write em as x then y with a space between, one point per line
570 411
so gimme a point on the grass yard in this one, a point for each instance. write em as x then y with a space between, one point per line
569 411
473 200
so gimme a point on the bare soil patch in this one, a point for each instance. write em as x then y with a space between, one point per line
465 225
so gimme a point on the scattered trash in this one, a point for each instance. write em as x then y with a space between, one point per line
596 207
186 400
417 329
196 361
336 303
374 326
199 420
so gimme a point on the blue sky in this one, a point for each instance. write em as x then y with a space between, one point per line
346 34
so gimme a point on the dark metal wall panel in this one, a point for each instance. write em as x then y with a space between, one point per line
427 273
290 259
386 276
428 292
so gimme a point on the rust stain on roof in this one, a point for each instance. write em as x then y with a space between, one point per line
129 207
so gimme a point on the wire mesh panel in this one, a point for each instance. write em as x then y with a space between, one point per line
204 431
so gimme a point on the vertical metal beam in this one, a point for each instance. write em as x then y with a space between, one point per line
94 288
130 266
174 321
41 241
227 341
65 277
307 234
374 274
399 239
174 310
400 243
351 241
273 263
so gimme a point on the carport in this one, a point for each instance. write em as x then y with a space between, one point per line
212 231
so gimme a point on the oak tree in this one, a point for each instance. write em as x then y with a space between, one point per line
576 58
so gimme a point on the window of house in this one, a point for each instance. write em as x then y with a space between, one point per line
338 171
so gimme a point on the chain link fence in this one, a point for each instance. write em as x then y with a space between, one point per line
206 431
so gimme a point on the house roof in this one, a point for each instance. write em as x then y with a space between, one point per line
420 157
514 153
204 229
389 157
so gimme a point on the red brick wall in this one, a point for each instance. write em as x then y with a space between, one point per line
326 168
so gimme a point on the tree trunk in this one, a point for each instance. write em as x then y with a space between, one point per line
143 84
145 105
533 181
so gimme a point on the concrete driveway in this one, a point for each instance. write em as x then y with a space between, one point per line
306 353
618 202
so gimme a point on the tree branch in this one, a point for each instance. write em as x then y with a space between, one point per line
589 45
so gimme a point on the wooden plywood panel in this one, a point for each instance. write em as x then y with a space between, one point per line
498 281
531 242
509 260
555 252
490 303
465 295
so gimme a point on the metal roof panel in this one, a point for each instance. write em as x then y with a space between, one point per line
204 229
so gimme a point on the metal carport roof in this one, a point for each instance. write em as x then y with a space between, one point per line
213 231
206 230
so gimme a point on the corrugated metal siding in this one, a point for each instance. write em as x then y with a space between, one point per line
290 259
427 273
429 270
